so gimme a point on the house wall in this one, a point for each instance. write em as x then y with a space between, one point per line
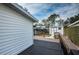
53 30
61 31
16 31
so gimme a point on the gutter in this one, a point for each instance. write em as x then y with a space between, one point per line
20 10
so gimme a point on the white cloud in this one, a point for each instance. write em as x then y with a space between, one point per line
64 12
33 8
68 11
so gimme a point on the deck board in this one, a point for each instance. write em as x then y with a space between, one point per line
43 46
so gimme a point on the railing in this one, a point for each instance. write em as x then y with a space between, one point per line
72 32
74 24
68 47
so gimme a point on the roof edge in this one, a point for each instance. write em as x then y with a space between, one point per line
20 10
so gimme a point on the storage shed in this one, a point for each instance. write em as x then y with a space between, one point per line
16 29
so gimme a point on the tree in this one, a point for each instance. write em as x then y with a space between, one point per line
45 21
74 18
67 22
51 19
71 19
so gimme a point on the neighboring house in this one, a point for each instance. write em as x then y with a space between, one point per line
39 27
57 27
16 29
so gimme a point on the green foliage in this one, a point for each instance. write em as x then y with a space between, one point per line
53 17
50 21
45 21
71 19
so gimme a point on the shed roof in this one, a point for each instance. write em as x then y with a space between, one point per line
21 10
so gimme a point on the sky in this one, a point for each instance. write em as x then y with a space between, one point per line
44 10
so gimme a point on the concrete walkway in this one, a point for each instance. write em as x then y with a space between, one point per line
44 46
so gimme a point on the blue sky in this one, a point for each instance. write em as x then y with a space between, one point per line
43 10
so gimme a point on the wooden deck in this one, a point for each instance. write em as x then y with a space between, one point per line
44 46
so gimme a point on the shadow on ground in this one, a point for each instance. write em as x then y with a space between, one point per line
41 47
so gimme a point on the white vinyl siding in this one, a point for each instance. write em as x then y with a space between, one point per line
16 31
